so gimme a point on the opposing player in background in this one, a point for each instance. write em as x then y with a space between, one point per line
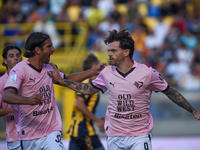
82 130
128 121
30 86
11 56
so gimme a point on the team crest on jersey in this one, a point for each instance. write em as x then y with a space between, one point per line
138 84
13 78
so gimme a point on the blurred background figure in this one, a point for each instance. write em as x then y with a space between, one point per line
83 135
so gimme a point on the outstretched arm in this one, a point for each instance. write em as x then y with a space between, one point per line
177 98
80 76
84 88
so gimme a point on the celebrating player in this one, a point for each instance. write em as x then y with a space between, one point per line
30 86
128 121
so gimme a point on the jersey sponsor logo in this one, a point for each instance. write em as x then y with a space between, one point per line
113 84
124 103
131 116
42 112
32 79
13 78
138 84
45 92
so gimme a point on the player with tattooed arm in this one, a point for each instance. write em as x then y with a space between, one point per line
128 121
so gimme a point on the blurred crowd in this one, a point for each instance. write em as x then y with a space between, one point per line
166 32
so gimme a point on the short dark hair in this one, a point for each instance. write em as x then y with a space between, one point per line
7 48
35 39
89 61
124 38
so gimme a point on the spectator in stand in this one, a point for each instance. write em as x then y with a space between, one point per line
94 15
139 35
189 39
109 24
161 29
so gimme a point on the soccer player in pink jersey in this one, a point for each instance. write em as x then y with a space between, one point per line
29 88
128 121
11 56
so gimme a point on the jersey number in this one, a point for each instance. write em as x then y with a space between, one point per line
146 147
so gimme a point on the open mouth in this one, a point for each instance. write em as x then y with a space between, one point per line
111 60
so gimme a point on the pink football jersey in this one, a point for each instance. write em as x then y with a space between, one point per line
36 121
11 131
128 112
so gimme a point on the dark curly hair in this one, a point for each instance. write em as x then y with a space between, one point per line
124 38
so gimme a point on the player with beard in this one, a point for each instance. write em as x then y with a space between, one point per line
30 86
128 121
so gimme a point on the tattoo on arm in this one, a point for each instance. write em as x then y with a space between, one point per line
79 87
177 98
84 88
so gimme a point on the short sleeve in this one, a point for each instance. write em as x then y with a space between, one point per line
80 95
99 82
15 78
157 82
